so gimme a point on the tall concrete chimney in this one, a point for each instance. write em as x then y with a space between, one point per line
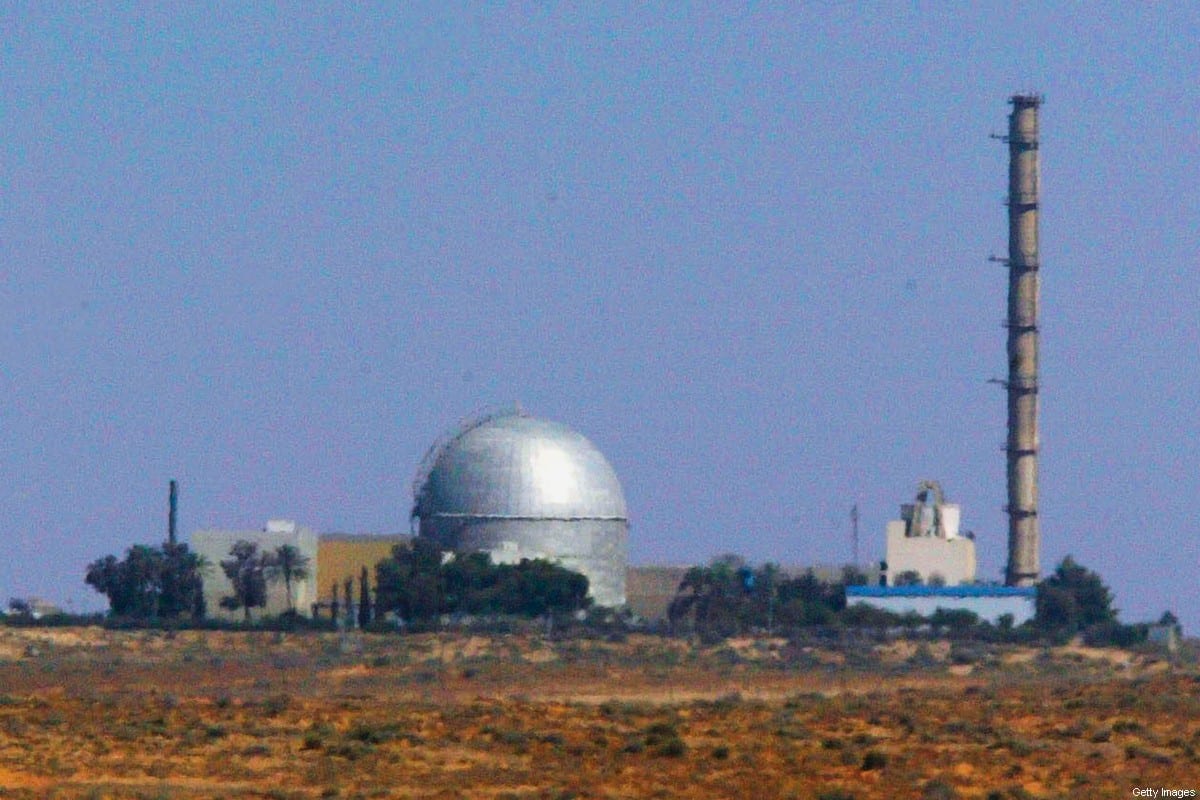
172 509
1022 323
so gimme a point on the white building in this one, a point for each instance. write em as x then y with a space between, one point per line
989 603
926 541
214 546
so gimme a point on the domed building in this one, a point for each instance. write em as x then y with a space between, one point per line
519 487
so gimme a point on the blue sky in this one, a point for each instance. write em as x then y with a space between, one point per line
274 252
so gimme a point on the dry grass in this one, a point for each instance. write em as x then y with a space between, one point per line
94 714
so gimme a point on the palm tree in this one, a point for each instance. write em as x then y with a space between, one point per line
246 572
288 564
364 600
713 596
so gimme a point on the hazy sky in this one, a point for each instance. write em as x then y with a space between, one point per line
275 251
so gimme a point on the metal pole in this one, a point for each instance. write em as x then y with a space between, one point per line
173 508
854 531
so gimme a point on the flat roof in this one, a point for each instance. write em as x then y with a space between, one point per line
941 591
364 537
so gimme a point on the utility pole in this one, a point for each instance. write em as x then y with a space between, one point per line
854 531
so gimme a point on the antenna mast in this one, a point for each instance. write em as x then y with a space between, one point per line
854 531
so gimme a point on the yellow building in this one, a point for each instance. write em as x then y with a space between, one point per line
343 555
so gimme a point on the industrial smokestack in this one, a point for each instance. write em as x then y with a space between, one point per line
173 508
1022 323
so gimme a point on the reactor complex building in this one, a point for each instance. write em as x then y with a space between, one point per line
518 487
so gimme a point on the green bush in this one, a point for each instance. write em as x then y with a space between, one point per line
1072 599
276 704
938 789
1115 634
418 585
670 747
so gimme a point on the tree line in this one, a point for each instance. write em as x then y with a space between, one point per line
167 582
416 584
419 583
729 597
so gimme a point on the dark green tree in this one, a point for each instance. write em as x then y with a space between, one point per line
19 607
714 599
418 584
181 582
474 585
956 620
246 571
729 597
286 563
364 600
853 576
131 584
536 587
410 582
1072 599
808 600
151 582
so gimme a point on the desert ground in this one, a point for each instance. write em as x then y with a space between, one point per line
93 713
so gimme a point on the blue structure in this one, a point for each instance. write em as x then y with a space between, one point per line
987 602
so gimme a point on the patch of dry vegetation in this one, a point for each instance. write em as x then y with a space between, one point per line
87 713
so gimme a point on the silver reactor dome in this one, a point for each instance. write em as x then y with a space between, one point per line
520 487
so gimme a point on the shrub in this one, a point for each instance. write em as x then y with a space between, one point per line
351 751
386 732
314 737
1114 634
836 794
275 705
938 789
671 747
874 759
1127 726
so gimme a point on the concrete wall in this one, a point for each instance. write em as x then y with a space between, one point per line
214 545
953 559
649 590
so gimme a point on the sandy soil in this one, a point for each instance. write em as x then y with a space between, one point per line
87 713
